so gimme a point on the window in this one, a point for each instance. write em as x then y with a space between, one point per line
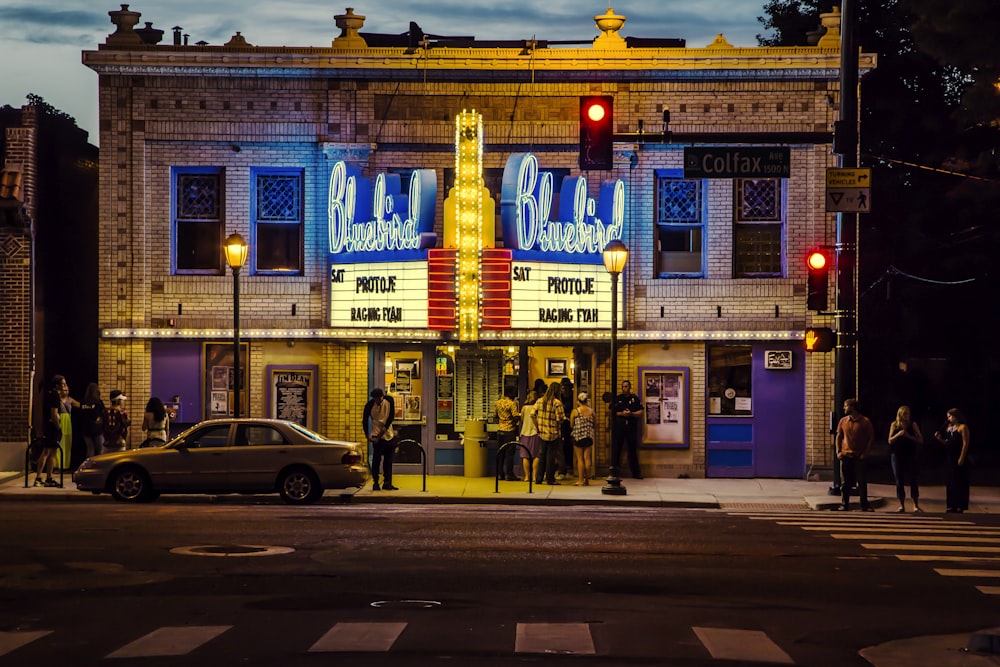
198 219
758 234
259 436
209 437
276 209
680 225
729 380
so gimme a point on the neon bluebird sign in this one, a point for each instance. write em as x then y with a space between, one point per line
584 226
376 221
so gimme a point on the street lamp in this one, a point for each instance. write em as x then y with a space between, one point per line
615 255
236 257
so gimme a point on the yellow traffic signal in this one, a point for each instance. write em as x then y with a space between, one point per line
820 339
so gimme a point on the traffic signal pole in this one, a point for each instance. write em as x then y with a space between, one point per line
846 144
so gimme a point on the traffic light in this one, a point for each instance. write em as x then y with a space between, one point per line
597 136
817 261
820 339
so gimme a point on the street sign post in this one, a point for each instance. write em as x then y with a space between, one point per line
737 162
848 190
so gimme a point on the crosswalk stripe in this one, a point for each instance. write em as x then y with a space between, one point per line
928 547
961 572
170 641
10 641
915 538
572 638
923 557
989 590
905 529
366 637
742 645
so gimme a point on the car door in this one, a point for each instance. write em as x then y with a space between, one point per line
259 452
198 463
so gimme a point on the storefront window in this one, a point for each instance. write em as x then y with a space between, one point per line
198 219
278 220
729 380
680 225
758 235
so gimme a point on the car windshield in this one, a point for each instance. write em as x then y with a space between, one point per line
312 435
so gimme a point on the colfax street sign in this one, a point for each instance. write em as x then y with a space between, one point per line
848 190
737 162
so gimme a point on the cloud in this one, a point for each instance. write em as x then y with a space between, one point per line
45 25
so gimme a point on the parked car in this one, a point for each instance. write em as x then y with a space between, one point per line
230 456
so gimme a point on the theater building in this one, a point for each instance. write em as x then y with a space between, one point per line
418 220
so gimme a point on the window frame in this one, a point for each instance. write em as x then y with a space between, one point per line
724 406
255 221
176 172
780 222
702 225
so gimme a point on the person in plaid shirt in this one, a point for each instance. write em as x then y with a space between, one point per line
549 416
507 414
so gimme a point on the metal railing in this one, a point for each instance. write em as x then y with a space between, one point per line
500 455
410 442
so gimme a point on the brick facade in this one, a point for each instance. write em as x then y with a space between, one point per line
237 107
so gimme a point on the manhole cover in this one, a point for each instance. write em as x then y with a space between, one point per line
231 550
406 604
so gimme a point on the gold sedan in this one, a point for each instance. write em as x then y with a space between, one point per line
230 456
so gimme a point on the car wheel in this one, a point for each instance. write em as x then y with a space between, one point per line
131 485
299 486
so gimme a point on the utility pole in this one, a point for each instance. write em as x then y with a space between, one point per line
846 145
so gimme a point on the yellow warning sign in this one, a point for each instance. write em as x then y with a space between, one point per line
848 178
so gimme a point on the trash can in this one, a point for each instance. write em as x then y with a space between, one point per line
476 444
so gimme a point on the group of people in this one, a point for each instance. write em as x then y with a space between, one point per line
854 439
104 428
552 434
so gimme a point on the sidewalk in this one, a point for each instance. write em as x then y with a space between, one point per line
732 494
743 494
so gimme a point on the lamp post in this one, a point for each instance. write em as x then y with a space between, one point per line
236 256
615 255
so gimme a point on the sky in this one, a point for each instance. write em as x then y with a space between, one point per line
41 41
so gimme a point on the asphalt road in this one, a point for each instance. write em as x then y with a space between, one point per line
203 584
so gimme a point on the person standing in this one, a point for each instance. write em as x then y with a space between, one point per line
854 439
549 416
507 416
116 423
380 411
529 438
955 437
66 405
155 423
627 409
52 432
566 397
92 419
904 436
582 423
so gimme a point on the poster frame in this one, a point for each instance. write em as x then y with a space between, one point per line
659 438
216 356
311 371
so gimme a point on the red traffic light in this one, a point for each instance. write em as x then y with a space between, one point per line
596 111
816 260
597 135
817 284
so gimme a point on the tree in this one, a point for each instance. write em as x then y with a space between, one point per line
929 133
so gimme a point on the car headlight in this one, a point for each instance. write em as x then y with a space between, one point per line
88 464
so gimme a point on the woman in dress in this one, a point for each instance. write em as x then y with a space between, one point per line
582 424
529 437
955 437
155 423
66 405
904 436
